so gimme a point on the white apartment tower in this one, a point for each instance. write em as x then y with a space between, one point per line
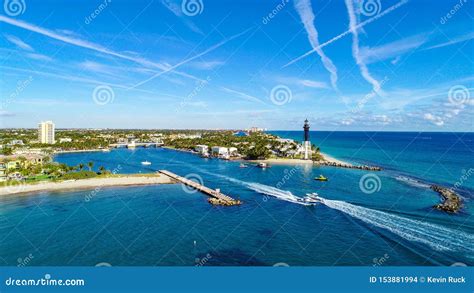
46 132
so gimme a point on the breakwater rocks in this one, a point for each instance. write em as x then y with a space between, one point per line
349 166
221 202
451 200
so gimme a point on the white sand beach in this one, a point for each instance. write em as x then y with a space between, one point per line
130 180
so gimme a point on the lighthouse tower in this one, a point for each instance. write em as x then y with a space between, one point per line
306 142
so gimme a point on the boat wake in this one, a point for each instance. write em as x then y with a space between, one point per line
268 190
412 182
435 236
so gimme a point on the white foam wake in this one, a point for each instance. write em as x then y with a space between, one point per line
435 236
412 182
267 190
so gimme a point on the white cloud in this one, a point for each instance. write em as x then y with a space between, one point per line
39 57
434 119
313 84
92 46
393 49
19 43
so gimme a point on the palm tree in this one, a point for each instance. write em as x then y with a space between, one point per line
81 166
101 169
90 165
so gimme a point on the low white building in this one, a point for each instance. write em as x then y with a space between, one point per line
233 151
202 149
65 139
220 151
16 142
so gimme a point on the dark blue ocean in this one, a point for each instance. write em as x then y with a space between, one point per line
368 218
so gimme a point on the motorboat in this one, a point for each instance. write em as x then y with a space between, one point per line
312 198
242 165
321 178
146 163
262 165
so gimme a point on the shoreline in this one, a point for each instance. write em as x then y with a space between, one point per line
78 151
84 184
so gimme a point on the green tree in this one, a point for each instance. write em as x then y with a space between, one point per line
90 165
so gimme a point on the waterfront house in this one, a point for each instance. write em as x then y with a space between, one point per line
218 151
202 149
233 152
3 172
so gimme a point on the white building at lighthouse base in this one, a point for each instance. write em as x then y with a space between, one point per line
307 150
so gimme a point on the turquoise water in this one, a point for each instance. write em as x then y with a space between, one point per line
167 225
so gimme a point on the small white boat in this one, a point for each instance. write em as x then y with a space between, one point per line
262 165
106 150
312 198
146 163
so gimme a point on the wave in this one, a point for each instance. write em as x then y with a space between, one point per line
435 236
267 190
412 181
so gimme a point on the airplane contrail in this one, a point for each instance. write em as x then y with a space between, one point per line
360 25
305 11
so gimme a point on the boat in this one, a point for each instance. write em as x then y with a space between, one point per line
146 163
242 165
106 150
312 198
262 165
321 178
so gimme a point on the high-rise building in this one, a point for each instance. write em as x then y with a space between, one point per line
46 132
306 142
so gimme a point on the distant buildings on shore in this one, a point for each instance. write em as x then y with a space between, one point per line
46 132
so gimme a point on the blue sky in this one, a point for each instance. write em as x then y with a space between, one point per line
344 65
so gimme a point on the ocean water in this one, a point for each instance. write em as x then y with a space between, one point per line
367 218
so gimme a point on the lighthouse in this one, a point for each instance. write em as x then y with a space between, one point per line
306 142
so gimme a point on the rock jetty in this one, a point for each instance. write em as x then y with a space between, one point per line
349 166
451 200
221 202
